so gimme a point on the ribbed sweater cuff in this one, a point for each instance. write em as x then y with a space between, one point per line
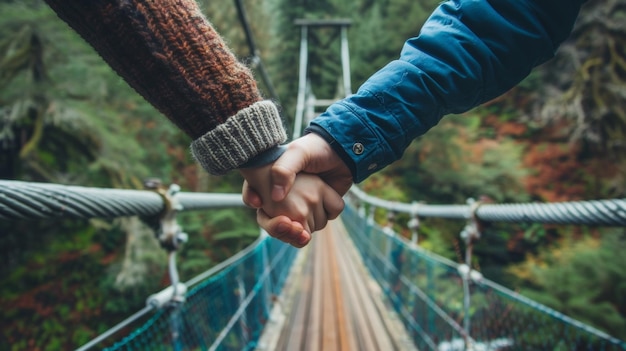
241 138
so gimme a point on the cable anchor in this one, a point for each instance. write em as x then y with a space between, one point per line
171 237
168 232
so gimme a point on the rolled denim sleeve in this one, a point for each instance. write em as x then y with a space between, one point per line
467 52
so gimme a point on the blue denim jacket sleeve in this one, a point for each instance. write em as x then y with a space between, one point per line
467 52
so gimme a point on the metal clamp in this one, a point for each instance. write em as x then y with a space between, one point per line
388 228
168 232
472 230
171 237
414 223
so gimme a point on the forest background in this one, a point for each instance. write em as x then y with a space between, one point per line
66 118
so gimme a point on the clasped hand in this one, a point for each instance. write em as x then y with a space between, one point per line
300 192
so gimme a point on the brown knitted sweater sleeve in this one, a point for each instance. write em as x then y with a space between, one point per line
169 52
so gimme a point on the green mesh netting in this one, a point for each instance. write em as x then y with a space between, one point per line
226 312
229 310
427 291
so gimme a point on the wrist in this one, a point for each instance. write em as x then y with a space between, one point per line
334 147
241 138
266 157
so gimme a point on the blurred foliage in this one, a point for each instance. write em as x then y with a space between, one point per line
581 276
66 118
64 112
593 98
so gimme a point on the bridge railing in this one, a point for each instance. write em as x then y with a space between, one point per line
224 308
226 311
448 306
445 306
611 212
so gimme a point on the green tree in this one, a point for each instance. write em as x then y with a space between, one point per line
377 35
64 110
582 277
579 94
66 117
457 160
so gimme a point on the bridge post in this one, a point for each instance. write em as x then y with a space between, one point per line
414 223
305 102
171 237
469 234
268 288
370 216
389 235
241 296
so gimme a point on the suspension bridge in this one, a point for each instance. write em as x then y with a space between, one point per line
356 286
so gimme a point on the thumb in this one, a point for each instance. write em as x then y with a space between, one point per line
285 169
250 197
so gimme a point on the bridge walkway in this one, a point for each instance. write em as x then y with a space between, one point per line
330 302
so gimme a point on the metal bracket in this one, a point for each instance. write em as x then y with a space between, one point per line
388 228
168 232
171 237
414 223
472 230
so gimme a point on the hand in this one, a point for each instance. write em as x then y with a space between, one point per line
309 153
308 207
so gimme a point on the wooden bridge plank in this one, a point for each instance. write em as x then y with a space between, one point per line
358 318
375 327
335 306
329 340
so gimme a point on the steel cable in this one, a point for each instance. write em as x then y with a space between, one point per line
598 212
26 200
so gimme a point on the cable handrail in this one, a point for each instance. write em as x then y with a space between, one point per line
31 200
426 291
480 280
111 331
610 212
28 200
